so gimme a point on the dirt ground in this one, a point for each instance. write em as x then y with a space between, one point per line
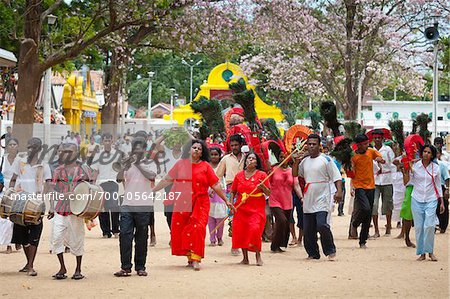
386 269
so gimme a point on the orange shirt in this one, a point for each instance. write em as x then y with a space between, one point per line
363 167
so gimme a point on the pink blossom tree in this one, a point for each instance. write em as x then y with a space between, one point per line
331 48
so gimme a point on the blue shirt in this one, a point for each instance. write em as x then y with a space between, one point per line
443 168
339 166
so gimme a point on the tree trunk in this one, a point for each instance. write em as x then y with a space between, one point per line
29 72
351 97
110 110
351 100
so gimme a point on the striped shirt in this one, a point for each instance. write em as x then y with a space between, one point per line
64 183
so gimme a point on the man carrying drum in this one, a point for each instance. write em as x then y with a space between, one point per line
32 175
67 226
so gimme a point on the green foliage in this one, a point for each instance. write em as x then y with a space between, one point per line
246 98
396 127
388 94
11 25
212 120
352 128
315 120
176 136
328 111
344 153
422 120
169 71
270 126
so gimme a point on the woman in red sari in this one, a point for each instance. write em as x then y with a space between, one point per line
250 218
191 177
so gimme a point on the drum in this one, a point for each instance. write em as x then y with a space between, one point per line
6 203
88 201
22 208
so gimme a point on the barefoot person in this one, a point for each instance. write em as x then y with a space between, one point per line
135 209
66 226
228 167
191 177
283 184
218 209
32 175
318 170
6 169
364 186
445 184
425 177
249 220
383 184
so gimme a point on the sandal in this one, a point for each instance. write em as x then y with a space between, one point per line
32 273
123 273
60 276
24 269
142 273
78 276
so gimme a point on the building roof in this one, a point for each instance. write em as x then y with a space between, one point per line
7 58
164 106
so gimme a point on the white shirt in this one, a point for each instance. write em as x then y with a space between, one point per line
424 189
8 171
126 148
397 182
138 191
318 172
105 171
445 156
27 175
71 140
385 177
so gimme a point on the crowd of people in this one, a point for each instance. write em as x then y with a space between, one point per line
203 186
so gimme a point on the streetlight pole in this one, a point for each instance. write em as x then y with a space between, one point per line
435 87
150 78
191 65
47 94
172 94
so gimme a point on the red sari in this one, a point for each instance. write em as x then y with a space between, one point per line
191 209
250 218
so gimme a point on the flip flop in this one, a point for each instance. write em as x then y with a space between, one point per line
23 270
32 273
123 273
59 276
142 273
78 276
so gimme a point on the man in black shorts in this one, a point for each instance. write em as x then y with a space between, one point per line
32 176
28 236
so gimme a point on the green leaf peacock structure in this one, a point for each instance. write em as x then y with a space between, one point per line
245 97
212 120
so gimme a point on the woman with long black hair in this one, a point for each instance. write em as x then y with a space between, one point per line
425 177
250 218
191 176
